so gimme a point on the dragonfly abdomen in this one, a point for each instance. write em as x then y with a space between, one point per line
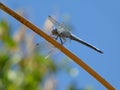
85 43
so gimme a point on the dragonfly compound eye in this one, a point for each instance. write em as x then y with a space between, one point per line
54 32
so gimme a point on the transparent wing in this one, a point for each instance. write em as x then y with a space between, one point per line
60 26
57 24
48 26
46 49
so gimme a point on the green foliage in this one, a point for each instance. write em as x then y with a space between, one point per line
19 68
5 34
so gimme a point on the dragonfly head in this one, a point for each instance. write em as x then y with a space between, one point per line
54 32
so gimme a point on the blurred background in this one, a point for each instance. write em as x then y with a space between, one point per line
23 66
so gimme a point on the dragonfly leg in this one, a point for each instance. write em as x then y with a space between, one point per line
64 40
61 40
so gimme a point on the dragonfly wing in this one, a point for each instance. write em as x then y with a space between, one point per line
57 24
47 49
60 26
48 26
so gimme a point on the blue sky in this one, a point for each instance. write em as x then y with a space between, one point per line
95 21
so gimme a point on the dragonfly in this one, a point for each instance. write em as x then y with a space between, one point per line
62 32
